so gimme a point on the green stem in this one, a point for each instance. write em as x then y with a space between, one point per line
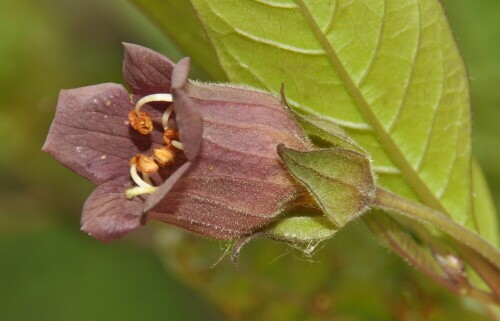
390 233
387 230
482 296
489 273
389 201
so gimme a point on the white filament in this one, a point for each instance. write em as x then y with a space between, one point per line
137 179
166 116
139 190
153 98
143 187
147 179
177 144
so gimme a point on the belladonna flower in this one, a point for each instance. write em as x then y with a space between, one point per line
199 156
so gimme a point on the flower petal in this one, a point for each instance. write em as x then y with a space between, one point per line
237 184
181 73
108 215
164 188
222 207
188 115
146 71
90 134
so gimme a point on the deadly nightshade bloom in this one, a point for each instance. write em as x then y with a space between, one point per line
199 156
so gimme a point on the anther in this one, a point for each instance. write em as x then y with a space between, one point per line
169 134
144 164
140 121
142 186
164 156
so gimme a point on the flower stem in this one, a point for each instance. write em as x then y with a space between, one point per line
482 296
389 232
389 201
487 271
480 254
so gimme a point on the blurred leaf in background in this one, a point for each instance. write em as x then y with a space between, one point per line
477 29
349 277
49 269
178 20
57 274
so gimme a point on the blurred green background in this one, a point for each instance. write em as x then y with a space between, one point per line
49 270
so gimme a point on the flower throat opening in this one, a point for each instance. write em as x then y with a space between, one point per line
162 156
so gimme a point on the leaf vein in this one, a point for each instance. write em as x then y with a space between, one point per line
392 149
279 45
402 104
276 4
436 109
376 50
329 25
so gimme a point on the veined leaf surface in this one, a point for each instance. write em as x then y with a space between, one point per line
178 20
387 71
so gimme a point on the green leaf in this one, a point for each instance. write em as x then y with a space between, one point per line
339 179
323 133
485 218
388 72
178 20
302 229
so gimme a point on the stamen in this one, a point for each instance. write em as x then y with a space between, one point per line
166 116
137 179
144 164
164 156
147 179
144 186
138 190
140 121
169 134
153 98
177 145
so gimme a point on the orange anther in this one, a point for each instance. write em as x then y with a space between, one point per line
144 164
169 134
141 121
164 156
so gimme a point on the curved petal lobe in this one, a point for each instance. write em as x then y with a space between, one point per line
108 215
90 134
146 71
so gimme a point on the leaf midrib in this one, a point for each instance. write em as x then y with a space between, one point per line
409 174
